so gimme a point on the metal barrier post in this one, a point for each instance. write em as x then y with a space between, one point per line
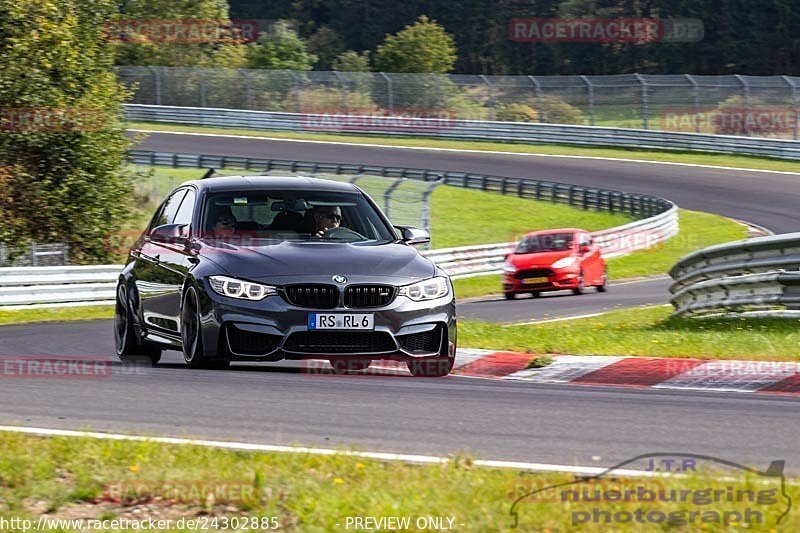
342 91
34 257
537 89
793 90
489 97
247 88
202 89
695 101
590 96
296 80
645 102
389 95
157 76
746 99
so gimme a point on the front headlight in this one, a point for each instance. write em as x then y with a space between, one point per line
236 288
430 289
564 262
508 267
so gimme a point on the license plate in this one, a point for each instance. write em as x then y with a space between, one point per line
352 321
533 281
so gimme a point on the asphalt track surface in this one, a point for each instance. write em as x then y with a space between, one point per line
276 404
561 424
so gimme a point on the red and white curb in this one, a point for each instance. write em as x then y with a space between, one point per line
768 377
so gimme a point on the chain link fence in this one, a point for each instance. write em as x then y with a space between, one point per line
35 254
765 106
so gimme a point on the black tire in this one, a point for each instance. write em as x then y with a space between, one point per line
192 338
580 288
343 365
128 348
433 367
604 286
510 295
536 294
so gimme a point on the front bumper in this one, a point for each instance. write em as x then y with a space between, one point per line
273 329
559 280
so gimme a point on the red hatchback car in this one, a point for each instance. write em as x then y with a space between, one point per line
554 260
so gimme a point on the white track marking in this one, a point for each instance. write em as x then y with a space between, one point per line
465 150
270 448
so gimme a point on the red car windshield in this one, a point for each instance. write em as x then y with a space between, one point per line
548 242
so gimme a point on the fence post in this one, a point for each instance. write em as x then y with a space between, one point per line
537 89
2 254
202 88
439 98
425 215
793 90
157 76
695 101
590 95
248 90
389 93
387 196
746 98
34 258
489 96
343 92
645 102
296 80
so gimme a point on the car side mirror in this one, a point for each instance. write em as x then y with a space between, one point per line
411 235
170 234
585 248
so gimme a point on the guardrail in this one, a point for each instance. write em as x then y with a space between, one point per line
753 276
28 286
466 130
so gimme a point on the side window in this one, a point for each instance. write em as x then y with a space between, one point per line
184 214
168 210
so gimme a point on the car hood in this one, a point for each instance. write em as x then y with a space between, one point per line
319 261
539 259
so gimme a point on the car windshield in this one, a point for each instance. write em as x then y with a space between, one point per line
548 242
271 217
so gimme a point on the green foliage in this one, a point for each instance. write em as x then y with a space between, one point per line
515 113
280 48
62 182
554 110
352 61
327 45
142 51
421 47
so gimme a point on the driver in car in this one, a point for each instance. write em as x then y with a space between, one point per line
326 217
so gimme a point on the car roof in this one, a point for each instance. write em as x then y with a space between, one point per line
234 183
560 230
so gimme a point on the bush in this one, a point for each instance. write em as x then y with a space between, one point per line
62 182
515 113
554 110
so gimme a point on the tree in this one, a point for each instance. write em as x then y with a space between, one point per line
280 48
326 44
61 152
421 47
142 49
352 61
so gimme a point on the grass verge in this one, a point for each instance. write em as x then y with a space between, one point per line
697 158
644 332
56 314
99 479
697 230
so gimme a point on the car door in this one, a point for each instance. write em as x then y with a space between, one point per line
593 268
156 283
